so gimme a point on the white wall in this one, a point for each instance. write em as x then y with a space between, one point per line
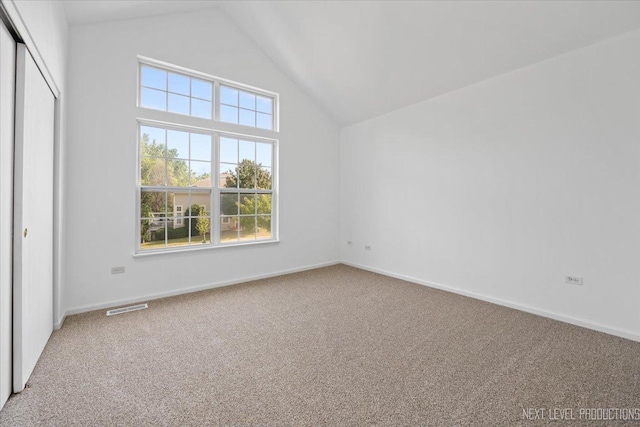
501 188
101 162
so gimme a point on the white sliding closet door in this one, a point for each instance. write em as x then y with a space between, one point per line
7 90
33 218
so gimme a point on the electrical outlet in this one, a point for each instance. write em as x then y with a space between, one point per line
367 247
573 280
117 270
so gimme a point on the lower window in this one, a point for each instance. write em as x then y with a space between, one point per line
179 198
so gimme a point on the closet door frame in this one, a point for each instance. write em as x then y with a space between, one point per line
8 48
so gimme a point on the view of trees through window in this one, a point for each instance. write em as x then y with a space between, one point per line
176 190
252 211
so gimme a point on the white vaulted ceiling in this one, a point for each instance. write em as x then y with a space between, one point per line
363 59
91 11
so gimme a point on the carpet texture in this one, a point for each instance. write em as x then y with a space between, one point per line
334 346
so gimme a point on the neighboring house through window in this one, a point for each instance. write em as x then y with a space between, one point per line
178 214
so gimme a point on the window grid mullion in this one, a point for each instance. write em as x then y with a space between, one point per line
215 194
216 96
190 218
160 188
166 228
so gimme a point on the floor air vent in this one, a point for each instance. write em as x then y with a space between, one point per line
127 309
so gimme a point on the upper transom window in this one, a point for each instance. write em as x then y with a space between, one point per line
175 93
180 91
245 108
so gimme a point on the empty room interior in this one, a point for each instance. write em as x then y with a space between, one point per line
301 213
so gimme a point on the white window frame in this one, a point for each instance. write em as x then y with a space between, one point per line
177 121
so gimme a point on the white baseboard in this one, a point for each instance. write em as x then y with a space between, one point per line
60 322
555 316
150 297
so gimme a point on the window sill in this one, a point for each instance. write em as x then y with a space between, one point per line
153 253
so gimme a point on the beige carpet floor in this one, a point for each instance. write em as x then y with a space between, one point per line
334 346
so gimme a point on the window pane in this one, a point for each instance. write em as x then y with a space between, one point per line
228 169
152 234
152 141
264 105
229 229
247 204
200 108
179 84
177 144
202 226
228 150
263 203
200 202
177 239
201 89
152 98
229 204
247 100
228 114
153 171
177 173
247 151
200 146
153 204
246 175
264 179
200 174
155 134
153 77
247 118
248 227
264 227
228 178
182 200
228 96
200 217
263 154
178 104
154 221
265 121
